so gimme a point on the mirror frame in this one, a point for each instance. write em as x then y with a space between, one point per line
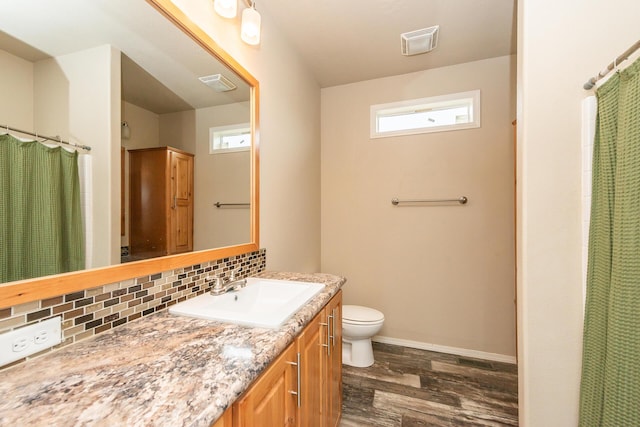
19 292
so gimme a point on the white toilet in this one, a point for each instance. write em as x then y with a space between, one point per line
359 324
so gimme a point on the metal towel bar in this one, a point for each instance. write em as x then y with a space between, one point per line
462 200
219 205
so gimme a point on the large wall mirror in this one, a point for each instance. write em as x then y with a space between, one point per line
129 77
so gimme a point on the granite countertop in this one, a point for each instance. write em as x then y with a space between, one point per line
160 370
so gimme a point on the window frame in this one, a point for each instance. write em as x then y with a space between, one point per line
228 129
432 102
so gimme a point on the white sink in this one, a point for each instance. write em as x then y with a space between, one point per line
264 303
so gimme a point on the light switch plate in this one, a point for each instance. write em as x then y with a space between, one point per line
23 342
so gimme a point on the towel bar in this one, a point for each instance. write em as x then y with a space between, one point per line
462 200
219 205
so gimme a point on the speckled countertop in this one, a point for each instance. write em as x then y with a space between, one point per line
160 370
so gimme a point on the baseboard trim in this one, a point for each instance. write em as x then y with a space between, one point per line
495 357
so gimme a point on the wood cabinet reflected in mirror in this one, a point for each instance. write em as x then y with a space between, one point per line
138 39
161 202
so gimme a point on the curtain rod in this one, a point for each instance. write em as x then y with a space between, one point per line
627 53
55 139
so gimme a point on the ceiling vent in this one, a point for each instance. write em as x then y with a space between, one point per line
218 82
419 41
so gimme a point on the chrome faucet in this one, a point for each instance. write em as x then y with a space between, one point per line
223 285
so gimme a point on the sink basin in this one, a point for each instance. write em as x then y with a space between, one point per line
264 303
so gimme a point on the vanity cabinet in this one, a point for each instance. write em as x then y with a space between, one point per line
333 314
311 345
269 402
303 387
161 202
226 420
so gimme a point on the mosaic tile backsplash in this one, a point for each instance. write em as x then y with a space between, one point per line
92 311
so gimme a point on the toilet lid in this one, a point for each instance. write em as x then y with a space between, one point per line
357 313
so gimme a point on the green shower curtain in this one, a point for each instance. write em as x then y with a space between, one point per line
40 218
610 389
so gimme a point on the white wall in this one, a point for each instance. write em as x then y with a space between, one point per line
77 96
560 45
289 138
442 275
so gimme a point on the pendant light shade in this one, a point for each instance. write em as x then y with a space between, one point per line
226 8
250 30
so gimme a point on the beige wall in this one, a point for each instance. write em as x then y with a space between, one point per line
561 45
77 96
442 275
224 178
289 137
179 130
16 88
144 125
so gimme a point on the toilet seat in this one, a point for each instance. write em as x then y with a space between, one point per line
358 315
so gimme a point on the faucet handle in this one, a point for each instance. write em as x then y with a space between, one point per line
217 281
234 273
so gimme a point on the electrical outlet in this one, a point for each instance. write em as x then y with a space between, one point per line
20 344
23 342
41 337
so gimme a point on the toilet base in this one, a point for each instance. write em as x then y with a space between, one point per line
357 353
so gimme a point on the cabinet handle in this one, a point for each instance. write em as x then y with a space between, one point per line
298 379
333 327
327 344
175 202
330 326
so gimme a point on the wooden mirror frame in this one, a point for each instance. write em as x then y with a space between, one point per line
23 291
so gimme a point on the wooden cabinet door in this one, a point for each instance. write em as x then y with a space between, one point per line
226 420
318 351
147 203
269 402
160 202
313 379
181 203
333 311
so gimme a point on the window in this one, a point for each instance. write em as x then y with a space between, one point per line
227 139
435 114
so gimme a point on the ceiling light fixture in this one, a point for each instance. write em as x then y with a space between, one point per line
226 8
250 28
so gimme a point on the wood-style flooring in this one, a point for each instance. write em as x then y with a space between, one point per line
407 387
